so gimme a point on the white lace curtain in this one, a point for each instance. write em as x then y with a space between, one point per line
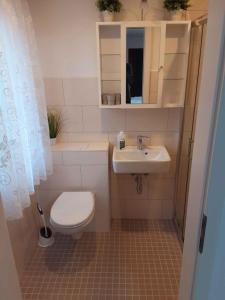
25 156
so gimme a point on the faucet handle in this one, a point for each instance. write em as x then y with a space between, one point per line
140 141
143 137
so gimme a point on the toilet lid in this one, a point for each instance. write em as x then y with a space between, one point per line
72 208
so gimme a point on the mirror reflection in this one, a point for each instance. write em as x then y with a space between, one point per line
134 65
143 68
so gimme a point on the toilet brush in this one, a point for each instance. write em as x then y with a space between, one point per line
46 238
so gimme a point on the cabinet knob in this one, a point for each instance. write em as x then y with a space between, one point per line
160 68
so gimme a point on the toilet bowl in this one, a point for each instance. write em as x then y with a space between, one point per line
72 212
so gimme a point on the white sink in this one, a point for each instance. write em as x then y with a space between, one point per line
152 159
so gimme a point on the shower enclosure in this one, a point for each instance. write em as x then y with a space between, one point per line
198 33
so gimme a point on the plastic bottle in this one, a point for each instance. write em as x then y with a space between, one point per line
121 140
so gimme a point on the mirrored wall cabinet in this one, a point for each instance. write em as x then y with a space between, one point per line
142 64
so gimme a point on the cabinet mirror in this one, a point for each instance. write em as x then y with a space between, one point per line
142 64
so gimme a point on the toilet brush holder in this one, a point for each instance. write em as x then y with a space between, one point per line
46 237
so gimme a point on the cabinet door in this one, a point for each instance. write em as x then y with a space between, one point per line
153 64
176 61
143 64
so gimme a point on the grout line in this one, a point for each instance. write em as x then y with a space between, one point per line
63 90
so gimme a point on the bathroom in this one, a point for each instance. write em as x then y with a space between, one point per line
138 223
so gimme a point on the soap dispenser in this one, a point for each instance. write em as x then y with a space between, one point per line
121 140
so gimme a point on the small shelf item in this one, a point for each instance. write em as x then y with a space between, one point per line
111 99
142 64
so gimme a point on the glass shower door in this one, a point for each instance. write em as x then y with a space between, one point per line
187 139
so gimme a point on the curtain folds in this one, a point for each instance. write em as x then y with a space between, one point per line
25 156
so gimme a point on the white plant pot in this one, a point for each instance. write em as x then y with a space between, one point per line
53 141
107 16
176 15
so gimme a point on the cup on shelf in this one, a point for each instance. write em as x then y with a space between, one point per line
118 99
104 99
109 99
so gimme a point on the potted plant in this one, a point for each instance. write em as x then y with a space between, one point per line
176 8
54 124
108 8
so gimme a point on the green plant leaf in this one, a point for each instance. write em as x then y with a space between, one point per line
54 124
109 5
171 5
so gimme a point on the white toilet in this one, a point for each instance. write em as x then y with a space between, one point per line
72 212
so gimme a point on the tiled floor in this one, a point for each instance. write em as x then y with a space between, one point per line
138 259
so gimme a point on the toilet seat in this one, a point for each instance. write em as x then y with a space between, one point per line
72 209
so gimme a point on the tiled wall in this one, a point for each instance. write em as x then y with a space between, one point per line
76 99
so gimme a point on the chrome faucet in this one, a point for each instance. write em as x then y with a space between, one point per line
140 143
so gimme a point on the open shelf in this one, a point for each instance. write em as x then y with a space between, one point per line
109 37
175 64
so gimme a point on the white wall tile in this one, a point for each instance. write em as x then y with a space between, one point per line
95 179
126 186
116 208
72 118
57 158
174 119
146 120
133 209
112 120
155 209
63 178
147 209
160 188
54 91
85 158
92 119
112 138
83 137
168 209
80 91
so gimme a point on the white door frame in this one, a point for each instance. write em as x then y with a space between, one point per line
210 268
203 139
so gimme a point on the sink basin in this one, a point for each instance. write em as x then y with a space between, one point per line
152 159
